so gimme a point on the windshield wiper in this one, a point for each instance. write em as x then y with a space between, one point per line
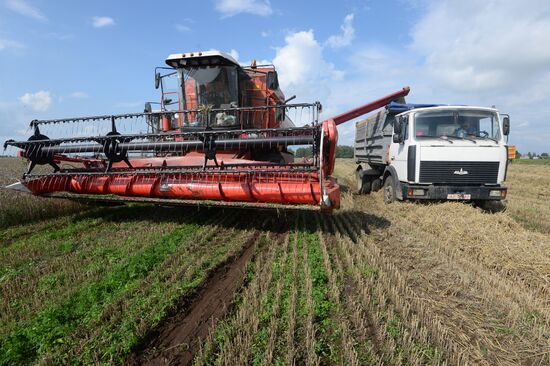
439 137
463 138
489 138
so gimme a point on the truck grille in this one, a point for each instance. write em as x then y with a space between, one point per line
459 172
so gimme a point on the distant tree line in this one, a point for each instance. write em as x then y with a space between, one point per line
531 155
342 151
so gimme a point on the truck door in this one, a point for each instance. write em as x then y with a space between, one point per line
398 150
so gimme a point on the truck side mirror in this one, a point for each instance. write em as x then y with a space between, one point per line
157 80
398 127
272 80
506 126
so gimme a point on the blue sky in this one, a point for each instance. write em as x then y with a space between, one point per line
66 58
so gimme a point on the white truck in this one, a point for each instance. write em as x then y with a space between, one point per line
433 152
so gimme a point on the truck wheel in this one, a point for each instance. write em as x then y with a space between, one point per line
366 186
359 180
363 184
376 185
389 192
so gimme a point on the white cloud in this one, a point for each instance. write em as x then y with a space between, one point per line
348 33
490 53
25 9
38 102
79 95
470 45
300 61
233 7
7 43
182 28
304 72
100 22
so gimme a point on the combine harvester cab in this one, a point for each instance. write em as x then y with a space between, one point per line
221 135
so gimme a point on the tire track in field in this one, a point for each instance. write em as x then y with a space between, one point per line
233 341
178 338
135 311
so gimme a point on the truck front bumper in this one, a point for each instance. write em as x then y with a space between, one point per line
458 193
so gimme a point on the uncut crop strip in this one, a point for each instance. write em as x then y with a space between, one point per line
38 340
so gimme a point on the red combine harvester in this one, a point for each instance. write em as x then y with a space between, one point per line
220 134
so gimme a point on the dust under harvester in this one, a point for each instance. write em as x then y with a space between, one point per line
220 133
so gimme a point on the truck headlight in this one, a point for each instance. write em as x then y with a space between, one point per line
495 193
415 192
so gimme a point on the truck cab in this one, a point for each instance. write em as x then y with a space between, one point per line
433 152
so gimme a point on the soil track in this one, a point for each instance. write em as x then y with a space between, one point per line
176 340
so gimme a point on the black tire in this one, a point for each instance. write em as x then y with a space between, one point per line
376 185
359 181
363 182
366 186
389 191
490 206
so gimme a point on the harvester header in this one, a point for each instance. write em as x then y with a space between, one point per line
220 133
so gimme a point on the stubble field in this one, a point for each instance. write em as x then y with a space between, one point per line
371 284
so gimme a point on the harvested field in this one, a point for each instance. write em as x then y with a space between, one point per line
371 284
18 207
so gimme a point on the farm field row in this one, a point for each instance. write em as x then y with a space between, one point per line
371 284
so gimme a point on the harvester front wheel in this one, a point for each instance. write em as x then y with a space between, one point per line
389 191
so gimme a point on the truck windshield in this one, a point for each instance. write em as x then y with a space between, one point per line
458 123
210 87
